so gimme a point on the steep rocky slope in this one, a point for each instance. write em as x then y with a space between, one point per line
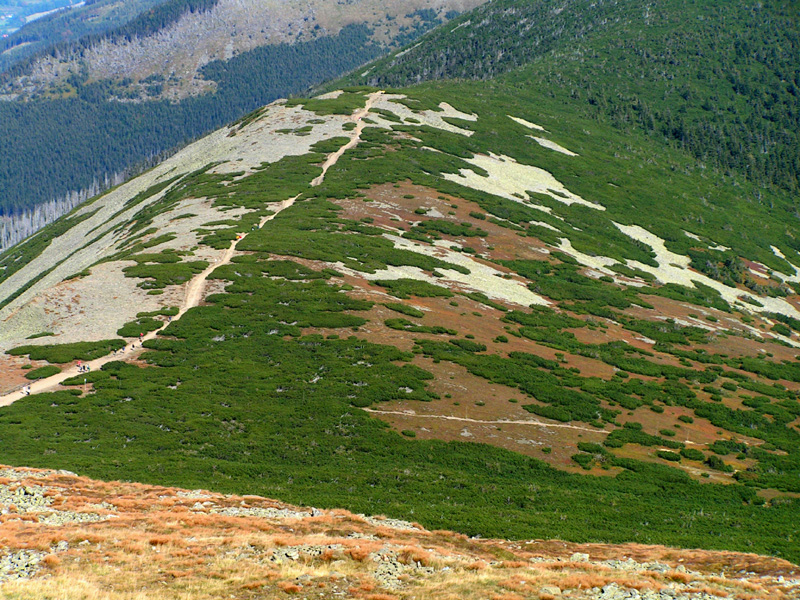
82 538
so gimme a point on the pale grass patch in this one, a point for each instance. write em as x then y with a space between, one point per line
482 277
527 124
425 117
321 570
674 268
512 180
462 583
103 582
551 145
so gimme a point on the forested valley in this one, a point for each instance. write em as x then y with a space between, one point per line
53 147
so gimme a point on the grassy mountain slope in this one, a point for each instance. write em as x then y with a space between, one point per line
719 80
171 42
60 145
460 324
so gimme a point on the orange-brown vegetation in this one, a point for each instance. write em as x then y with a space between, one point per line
508 597
358 554
158 544
289 588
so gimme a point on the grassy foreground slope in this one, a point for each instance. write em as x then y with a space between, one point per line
261 390
168 543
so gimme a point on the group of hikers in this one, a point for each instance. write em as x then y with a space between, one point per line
85 368
133 345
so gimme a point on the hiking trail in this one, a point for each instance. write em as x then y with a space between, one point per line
196 286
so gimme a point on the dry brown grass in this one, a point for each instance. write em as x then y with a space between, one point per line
51 561
679 577
507 597
289 587
358 554
414 554
158 549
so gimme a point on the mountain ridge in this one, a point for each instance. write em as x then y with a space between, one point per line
113 104
168 58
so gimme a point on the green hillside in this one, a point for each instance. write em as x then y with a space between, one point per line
67 132
717 79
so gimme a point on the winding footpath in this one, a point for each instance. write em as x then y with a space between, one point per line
195 288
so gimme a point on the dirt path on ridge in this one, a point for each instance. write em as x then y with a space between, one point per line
195 288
